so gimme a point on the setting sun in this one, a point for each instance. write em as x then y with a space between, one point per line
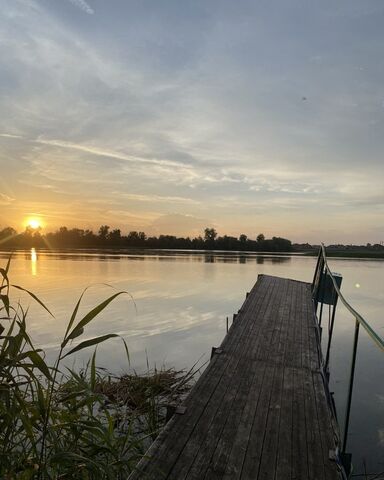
34 223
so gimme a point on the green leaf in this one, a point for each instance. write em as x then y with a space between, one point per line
4 274
127 352
41 400
75 335
26 354
39 363
89 343
8 264
93 370
74 313
5 300
34 297
90 316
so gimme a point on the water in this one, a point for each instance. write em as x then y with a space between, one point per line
179 309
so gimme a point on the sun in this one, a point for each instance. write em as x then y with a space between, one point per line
34 223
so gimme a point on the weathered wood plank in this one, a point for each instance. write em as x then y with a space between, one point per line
327 434
228 460
253 454
286 447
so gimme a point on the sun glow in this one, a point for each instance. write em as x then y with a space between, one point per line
33 261
34 223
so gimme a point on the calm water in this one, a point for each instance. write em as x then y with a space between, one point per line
179 312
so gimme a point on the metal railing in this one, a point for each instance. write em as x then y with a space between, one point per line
326 290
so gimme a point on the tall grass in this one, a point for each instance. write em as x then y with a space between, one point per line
58 423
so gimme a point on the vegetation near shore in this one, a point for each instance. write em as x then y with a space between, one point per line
58 423
353 251
107 238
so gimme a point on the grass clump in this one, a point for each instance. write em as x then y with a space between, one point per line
58 423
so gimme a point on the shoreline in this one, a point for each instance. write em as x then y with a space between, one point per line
341 254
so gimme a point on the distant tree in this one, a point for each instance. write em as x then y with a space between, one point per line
28 232
115 235
279 244
243 238
133 235
227 243
134 239
80 238
7 233
103 231
210 234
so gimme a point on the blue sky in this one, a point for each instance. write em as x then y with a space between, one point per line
169 116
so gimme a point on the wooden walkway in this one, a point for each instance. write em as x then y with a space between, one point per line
260 409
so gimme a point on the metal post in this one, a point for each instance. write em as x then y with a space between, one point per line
330 335
350 389
316 269
319 288
321 313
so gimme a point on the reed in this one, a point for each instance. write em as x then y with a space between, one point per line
58 423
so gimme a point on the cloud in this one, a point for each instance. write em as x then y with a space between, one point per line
193 110
6 199
103 153
159 198
178 224
83 5
9 135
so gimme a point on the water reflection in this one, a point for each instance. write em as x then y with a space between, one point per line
33 261
161 256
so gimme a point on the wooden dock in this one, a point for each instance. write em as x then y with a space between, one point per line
260 410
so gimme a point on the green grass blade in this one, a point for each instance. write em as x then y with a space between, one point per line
39 363
90 342
8 264
93 370
127 352
5 300
34 297
90 316
4 274
74 313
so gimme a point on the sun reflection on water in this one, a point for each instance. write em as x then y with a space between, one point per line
33 261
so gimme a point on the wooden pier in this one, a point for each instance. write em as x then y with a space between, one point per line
261 408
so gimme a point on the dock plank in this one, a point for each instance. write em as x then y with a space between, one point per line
260 410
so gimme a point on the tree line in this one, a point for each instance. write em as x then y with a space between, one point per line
113 238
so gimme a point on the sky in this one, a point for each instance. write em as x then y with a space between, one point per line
168 116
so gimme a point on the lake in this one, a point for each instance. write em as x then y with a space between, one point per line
176 309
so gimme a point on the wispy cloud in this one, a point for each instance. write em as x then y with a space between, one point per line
83 5
159 198
9 135
104 153
5 199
